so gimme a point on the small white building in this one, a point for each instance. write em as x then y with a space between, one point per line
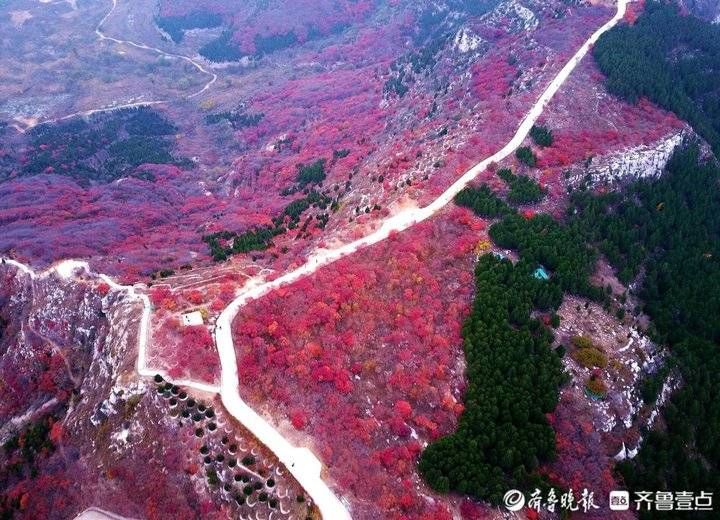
192 318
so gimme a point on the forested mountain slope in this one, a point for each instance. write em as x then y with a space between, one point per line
673 60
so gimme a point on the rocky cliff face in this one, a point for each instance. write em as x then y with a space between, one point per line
55 330
634 163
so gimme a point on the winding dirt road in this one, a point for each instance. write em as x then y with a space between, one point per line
303 465
104 37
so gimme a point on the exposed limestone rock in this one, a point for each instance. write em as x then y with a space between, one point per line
634 163
465 41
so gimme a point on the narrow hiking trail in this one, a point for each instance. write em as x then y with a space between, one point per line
104 37
302 463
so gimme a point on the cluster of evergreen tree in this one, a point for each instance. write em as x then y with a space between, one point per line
396 85
672 59
35 439
313 173
274 42
22 454
145 121
256 239
222 49
670 228
296 208
136 150
175 26
224 244
541 136
102 148
526 156
523 189
483 202
513 379
561 249
7 165
238 119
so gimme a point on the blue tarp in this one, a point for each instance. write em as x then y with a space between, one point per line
541 273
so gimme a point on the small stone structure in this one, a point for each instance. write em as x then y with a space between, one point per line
192 318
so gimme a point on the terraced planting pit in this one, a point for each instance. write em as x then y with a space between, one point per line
237 470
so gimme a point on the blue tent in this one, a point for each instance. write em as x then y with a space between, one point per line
541 274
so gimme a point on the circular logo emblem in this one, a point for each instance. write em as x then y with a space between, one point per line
514 500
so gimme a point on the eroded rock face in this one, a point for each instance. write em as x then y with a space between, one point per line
54 330
631 164
593 431
516 16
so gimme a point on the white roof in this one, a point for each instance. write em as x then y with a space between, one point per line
192 318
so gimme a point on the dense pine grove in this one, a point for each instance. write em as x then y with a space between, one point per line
224 244
670 228
275 42
513 375
523 189
102 148
673 60
222 49
541 136
296 208
513 379
561 249
526 156
482 201
313 173
485 203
